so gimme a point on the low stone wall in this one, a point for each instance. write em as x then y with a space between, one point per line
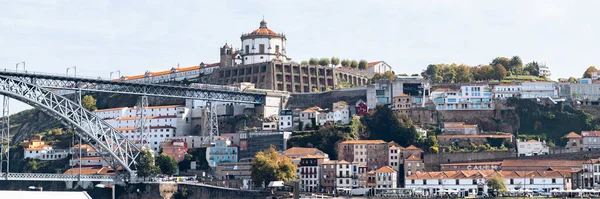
433 160
326 99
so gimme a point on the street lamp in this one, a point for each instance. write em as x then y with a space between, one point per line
111 187
17 65
117 71
75 70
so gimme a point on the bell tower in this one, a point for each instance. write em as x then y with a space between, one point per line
227 56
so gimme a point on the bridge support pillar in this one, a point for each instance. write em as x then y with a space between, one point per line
210 130
5 138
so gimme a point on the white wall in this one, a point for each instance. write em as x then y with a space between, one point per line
255 57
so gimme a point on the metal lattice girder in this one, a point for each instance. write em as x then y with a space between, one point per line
56 177
115 148
218 93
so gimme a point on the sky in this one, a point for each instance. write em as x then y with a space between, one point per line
102 36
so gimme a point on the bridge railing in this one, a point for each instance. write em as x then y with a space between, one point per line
55 177
58 74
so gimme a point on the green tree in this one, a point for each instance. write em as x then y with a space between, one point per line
304 63
463 74
324 62
387 75
32 166
335 61
363 64
431 71
345 62
504 61
354 64
572 80
448 74
382 123
184 165
589 71
533 68
499 72
516 65
497 184
88 102
269 166
167 164
146 167
313 61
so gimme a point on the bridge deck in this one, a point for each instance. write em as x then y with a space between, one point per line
204 92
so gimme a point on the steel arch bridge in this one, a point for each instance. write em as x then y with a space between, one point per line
114 148
204 92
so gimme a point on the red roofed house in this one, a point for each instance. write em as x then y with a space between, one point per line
575 143
176 149
386 177
378 67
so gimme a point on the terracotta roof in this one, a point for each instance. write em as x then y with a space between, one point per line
472 163
505 136
39 148
458 125
476 174
151 127
590 133
371 64
110 109
85 146
402 95
413 157
385 169
541 163
573 135
363 142
371 172
532 141
301 151
412 147
315 156
343 162
93 170
263 30
330 162
90 158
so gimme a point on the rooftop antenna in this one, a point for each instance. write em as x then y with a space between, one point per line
263 17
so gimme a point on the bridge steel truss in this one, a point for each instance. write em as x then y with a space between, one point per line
99 85
115 148
56 177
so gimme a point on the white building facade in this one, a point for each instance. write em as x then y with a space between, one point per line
263 45
465 183
162 122
477 97
378 67
532 148
503 91
532 90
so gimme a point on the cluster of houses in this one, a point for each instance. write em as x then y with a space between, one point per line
360 164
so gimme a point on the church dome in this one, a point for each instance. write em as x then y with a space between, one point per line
263 30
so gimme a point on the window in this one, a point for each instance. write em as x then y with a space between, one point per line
553 180
247 49
276 48
261 48
456 181
380 92
474 181
512 181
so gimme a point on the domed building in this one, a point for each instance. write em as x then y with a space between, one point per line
262 61
263 45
